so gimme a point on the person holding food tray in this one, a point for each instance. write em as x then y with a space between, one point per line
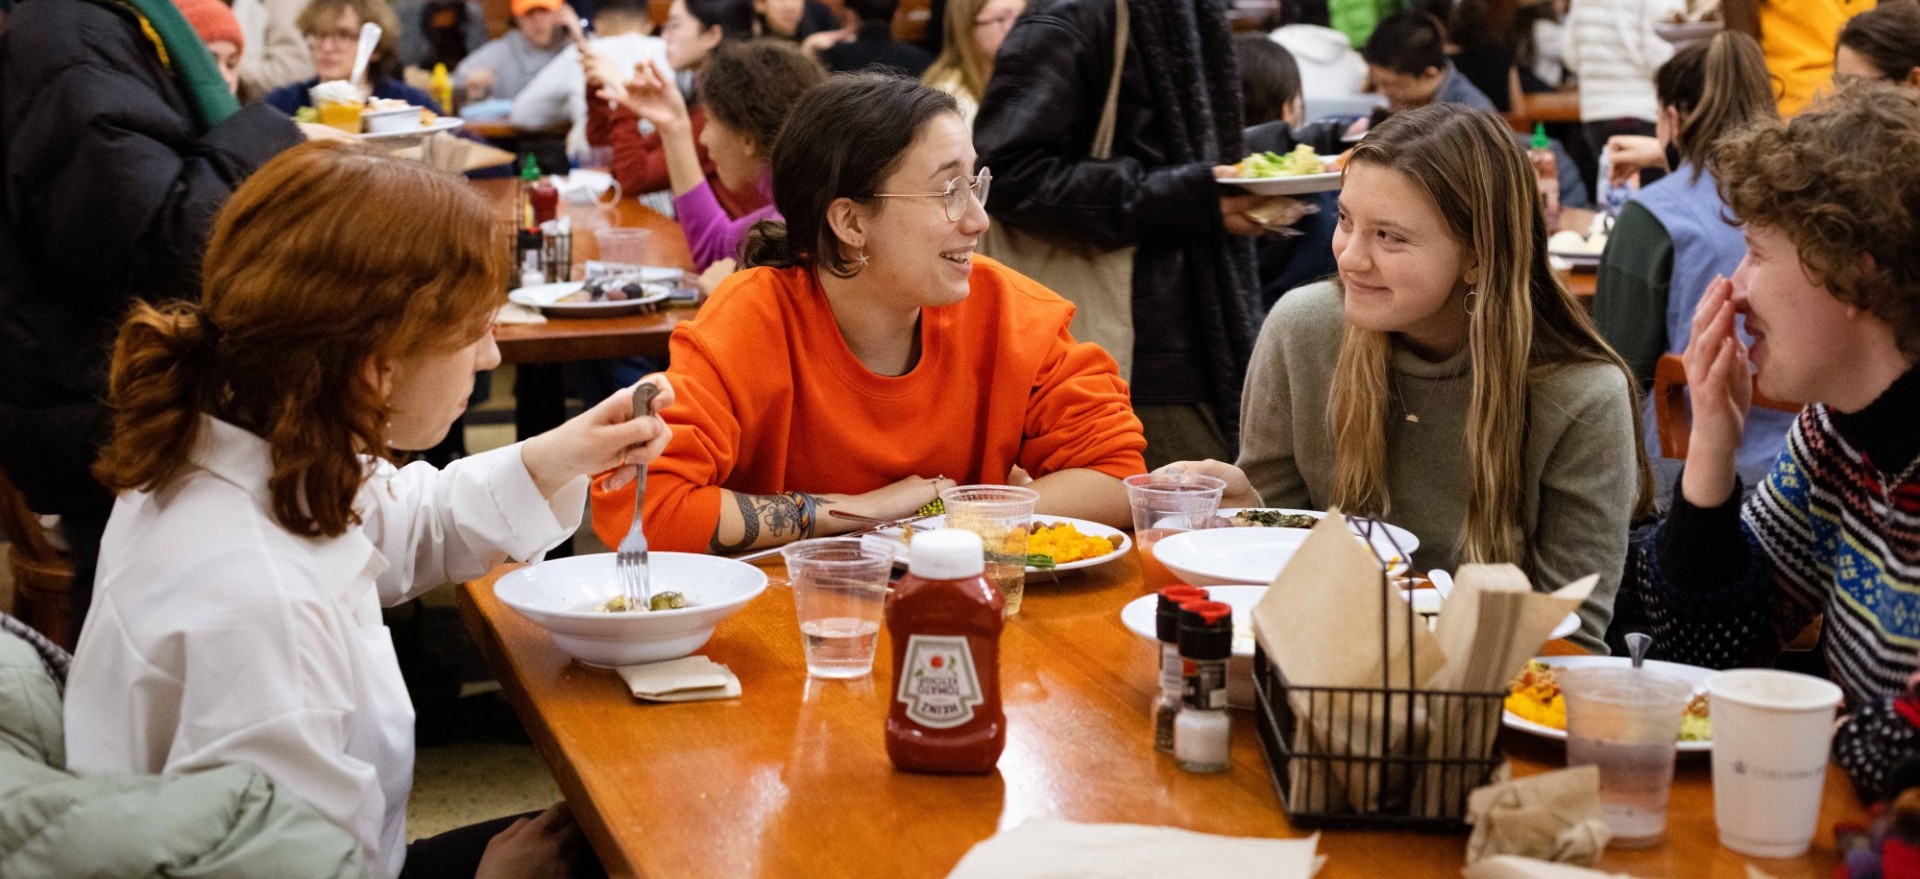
868 357
260 524
1446 379
1830 290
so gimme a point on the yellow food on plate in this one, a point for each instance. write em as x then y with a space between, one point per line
1535 696
1066 544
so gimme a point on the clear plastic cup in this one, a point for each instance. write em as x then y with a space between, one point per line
1002 515
1165 504
1771 733
1626 721
622 245
839 592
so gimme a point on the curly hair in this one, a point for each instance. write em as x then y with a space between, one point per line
1842 181
329 255
750 86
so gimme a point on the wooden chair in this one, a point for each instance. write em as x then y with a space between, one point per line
1671 416
42 575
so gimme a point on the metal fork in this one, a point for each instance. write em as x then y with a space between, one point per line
630 562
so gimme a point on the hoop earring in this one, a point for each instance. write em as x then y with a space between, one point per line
1471 293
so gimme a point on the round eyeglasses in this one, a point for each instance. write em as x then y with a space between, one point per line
954 197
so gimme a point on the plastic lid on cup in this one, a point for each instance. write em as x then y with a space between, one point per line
947 554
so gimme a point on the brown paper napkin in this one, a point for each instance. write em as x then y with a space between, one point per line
1553 816
1044 848
689 679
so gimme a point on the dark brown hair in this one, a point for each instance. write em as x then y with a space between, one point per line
843 138
1887 36
327 255
1842 181
1269 78
1718 87
750 86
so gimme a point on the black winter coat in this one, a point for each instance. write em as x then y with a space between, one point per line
1034 130
108 190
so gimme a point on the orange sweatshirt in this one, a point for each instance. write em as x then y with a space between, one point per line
1799 37
768 398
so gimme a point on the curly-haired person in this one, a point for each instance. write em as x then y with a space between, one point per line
1830 289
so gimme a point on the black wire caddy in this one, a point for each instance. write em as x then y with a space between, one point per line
1391 757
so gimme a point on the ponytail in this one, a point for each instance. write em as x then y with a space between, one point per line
767 244
165 376
1718 87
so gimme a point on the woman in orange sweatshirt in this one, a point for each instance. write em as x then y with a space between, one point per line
871 357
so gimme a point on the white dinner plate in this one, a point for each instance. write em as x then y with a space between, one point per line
444 123
1578 258
1692 674
1296 184
902 551
546 298
1225 556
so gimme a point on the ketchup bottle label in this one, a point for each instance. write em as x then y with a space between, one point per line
939 686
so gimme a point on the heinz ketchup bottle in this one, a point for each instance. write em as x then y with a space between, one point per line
944 620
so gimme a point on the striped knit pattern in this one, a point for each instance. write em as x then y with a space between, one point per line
1835 541
1823 537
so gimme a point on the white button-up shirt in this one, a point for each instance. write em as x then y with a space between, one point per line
216 636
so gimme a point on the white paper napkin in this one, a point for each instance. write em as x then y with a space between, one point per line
690 679
515 313
1514 867
1048 849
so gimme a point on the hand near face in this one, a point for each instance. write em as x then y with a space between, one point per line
649 94
604 438
1628 154
1721 388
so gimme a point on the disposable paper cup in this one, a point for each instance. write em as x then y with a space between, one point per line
1771 732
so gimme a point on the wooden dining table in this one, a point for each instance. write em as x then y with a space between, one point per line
602 338
792 777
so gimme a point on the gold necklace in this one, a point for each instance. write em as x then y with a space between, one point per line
1412 416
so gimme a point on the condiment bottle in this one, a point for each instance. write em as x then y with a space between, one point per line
944 619
1546 171
441 88
529 177
1200 732
1166 620
545 200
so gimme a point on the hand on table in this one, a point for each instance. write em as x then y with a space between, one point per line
896 501
1629 154
1720 387
650 94
534 848
606 437
1238 493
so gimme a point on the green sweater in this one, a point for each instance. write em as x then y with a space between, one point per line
1579 459
1630 296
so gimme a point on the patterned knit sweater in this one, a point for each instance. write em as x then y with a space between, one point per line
1834 530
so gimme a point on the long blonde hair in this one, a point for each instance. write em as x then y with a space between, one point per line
960 56
1522 319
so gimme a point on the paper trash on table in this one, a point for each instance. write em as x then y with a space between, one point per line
688 679
1321 625
1553 816
1043 848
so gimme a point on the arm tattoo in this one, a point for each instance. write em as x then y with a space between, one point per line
789 516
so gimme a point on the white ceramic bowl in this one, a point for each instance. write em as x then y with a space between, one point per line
1227 556
563 596
386 121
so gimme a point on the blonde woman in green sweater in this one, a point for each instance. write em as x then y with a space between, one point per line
1446 380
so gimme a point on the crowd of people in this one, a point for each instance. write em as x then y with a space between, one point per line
222 331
